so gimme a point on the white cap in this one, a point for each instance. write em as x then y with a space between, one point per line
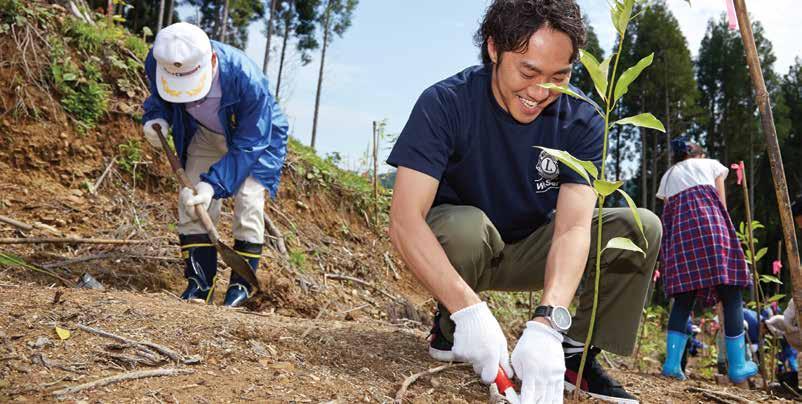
183 56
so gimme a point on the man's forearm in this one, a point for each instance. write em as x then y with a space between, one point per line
427 260
565 265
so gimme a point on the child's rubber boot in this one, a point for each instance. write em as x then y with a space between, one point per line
739 368
675 346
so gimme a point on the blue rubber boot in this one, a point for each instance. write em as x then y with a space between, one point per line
239 290
675 346
200 268
739 368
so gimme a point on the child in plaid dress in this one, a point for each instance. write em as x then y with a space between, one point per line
701 255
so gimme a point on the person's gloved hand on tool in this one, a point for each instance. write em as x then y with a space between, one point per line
150 132
231 140
478 339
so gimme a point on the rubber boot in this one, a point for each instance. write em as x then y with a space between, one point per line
200 266
239 290
675 346
739 368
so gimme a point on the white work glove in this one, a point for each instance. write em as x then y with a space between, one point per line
478 339
189 199
150 133
540 363
786 325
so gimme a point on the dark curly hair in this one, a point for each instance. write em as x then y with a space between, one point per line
512 22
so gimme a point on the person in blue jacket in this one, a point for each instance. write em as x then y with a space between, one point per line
231 138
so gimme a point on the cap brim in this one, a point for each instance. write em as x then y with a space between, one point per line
184 89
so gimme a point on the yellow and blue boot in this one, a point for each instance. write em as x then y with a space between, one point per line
739 369
239 290
200 270
675 347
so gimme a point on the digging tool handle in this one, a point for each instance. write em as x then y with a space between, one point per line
203 215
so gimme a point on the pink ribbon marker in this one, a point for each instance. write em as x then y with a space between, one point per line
656 275
739 170
731 18
776 266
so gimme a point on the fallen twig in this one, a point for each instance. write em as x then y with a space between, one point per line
173 355
311 326
73 240
29 227
399 396
121 378
391 265
609 362
792 390
103 176
361 282
115 256
720 395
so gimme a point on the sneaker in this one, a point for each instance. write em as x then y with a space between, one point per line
439 346
595 380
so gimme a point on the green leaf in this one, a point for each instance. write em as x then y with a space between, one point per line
604 67
622 85
756 225
69 77
598 76
760 254
606 188
634 209
645 120
741 228
623 243
563 89
569 160
620 13
775 298
770 279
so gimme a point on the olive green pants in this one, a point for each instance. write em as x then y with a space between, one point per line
485 262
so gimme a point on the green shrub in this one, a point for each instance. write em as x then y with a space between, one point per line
84 96
130 155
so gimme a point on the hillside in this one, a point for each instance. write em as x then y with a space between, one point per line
340 320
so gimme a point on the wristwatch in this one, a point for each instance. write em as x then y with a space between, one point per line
559 317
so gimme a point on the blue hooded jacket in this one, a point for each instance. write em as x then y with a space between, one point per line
255 128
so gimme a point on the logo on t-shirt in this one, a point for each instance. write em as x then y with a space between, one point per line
548 170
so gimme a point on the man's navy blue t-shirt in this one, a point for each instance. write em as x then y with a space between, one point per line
458 134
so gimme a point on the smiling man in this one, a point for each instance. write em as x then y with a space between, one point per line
477 207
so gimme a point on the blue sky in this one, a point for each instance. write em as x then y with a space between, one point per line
395 49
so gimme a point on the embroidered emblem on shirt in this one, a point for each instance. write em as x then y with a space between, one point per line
548 170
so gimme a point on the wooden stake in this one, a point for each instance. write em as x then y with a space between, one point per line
775 157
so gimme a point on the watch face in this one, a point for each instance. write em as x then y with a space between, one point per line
561 317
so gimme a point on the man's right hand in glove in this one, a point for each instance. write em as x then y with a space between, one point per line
150 132
478 339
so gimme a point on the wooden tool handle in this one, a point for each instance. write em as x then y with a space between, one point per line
203 215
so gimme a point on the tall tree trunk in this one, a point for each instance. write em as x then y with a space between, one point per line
224 23
270 25
320 74
161 16
110 11
169 17
643 161
287 23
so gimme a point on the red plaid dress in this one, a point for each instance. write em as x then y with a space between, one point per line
700 249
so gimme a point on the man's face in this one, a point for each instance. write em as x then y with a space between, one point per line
517 77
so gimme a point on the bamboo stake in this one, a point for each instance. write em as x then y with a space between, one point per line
775 157
758 289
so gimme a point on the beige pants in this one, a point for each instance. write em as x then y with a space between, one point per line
485 262
207 148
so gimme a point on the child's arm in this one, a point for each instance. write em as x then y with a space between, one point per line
721 190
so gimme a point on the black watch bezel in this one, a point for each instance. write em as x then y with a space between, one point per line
547 311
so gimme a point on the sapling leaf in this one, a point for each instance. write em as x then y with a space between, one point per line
645 120
760 253
634 209
570 161
770 279
622 85
598 76
623 243
605 188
